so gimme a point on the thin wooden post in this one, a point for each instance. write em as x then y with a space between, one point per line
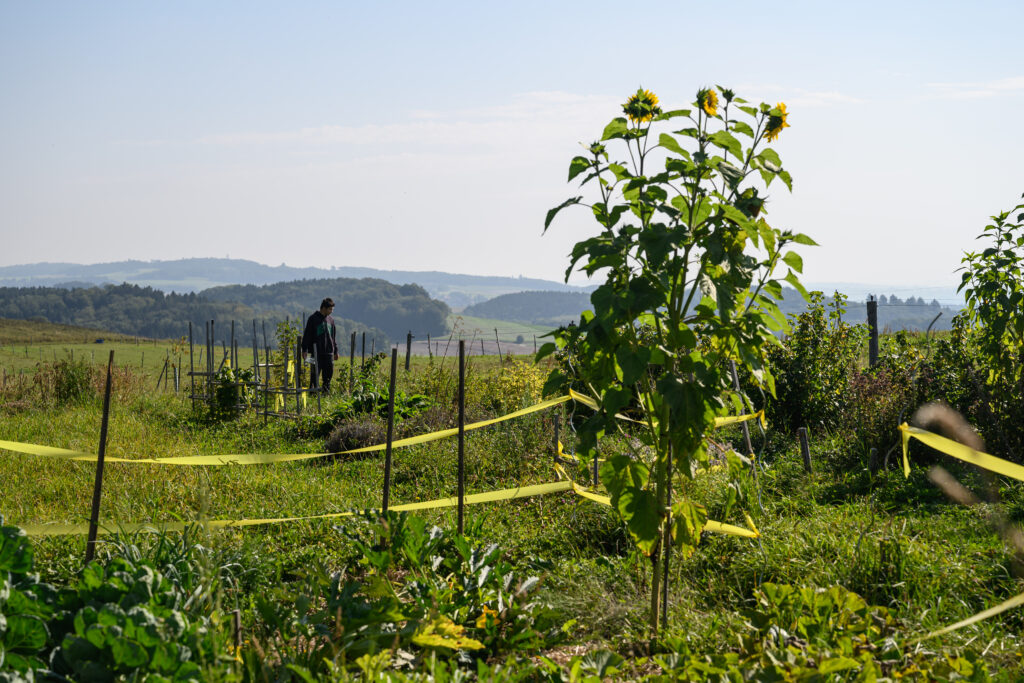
391 429
482 352
191 365
408 349
746 428
267 374
872 330
352 365
462 437
234 359
362 357
373 346
94 516
558 426
666 541
496 342
805 449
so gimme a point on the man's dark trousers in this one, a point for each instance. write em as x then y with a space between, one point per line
326 367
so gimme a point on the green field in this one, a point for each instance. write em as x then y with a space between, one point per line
898 543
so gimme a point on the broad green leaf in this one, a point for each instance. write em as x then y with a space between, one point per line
801 238
553 212
670 143
793 260
726 141
639 510
741 127
616 129
578 165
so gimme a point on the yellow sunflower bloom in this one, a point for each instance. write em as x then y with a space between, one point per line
707 99
776 123
641 107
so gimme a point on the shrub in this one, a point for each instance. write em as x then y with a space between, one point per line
813 366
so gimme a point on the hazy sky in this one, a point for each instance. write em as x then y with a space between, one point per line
434 136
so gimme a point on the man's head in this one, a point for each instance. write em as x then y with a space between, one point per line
326 306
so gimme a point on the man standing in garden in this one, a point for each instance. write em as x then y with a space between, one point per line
319 338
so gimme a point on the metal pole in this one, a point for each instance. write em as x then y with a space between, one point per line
462 436
391 428
94 517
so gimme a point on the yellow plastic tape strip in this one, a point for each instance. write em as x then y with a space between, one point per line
759 415
719 421
266 458
980 616
959 451
711 525
472 499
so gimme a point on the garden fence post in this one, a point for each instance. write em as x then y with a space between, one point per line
408 349
391 428
191 365
362 356
497 342
94 516
805 449
873 330
667 541
352 365
462 437
558 425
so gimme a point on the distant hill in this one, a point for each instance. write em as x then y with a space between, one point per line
198 274
533 308
134 310
395 309
558 308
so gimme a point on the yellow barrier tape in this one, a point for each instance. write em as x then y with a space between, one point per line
719 421
711 525
980 616
959 451
759 415
472 499
266 458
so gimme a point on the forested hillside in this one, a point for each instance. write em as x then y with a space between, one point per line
396 309
134 310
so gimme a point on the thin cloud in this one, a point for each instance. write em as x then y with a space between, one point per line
797 97
978 89
537 114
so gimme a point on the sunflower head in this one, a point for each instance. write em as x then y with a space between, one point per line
707 99
776 122
641 107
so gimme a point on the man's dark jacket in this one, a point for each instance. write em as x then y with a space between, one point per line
320 336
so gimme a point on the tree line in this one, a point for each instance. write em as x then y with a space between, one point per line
384 311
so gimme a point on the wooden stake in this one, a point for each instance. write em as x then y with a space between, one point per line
462 436
94 516
873 330
352 365
408 349
391 429
805 449
191 365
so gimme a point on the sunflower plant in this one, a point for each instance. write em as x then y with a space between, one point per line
691 279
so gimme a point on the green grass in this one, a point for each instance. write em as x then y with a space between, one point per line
895 541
